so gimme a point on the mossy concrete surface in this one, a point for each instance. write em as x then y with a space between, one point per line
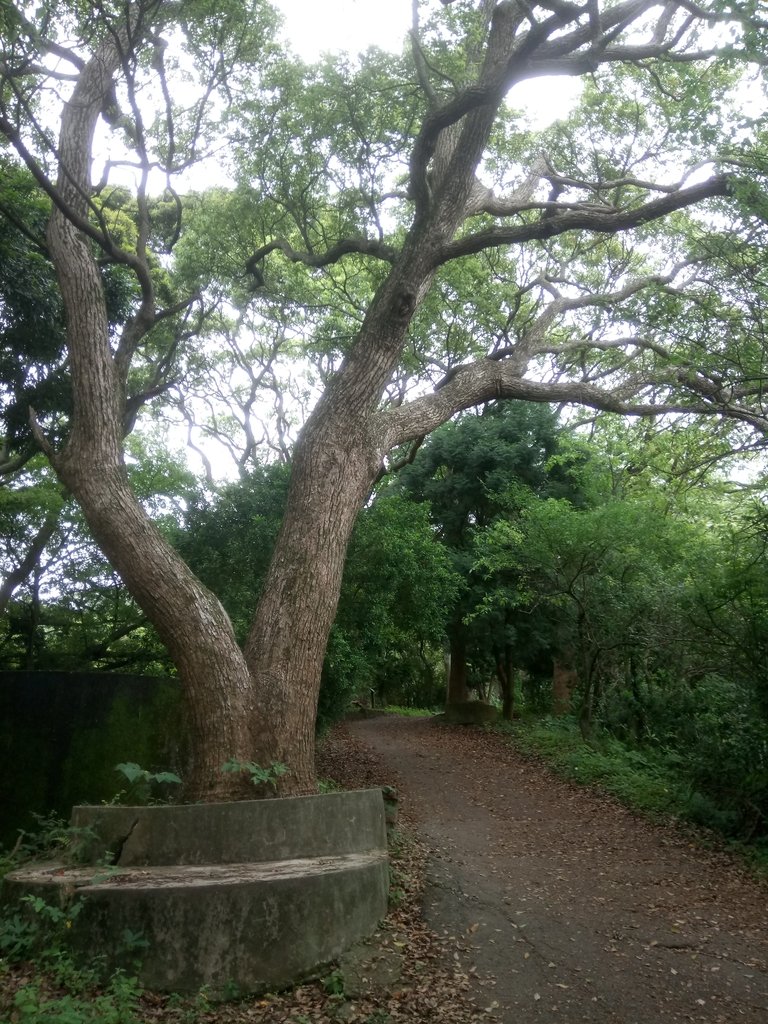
61 735
234 927
294 883
227 833
471 712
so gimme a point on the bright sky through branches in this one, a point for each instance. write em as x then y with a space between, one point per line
313 27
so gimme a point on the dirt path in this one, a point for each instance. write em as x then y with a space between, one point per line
566 907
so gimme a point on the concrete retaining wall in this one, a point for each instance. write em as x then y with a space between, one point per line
254 895
61 735
232 833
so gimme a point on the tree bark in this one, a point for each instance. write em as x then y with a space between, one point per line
333 472
190 620
458 691
564 682
506 675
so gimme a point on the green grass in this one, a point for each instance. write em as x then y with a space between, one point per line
398 709
640 779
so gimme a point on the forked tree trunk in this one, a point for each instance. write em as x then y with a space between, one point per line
259 704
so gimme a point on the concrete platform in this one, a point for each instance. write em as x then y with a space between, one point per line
248 830
212 916
471 712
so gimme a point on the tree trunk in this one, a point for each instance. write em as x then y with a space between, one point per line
33 639
564 682
333 472
189 619
261 703
458 691
506 675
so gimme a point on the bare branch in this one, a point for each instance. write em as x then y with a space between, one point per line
609 184
16 576
42 441
8 71
488 380
485 200
12 464
594 218
362 246
420 60
607 345
139 326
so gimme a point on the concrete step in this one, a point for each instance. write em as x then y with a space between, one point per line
234 925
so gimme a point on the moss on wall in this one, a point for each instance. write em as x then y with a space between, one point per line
62 734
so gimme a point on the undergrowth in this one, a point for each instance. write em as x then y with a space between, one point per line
398 709
50 986
55 989
651 781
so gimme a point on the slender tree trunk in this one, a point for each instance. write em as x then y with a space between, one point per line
29 562
564 682
507 677
458 691
33 640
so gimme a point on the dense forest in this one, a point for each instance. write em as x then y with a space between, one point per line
417 401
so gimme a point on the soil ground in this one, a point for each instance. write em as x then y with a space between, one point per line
562 905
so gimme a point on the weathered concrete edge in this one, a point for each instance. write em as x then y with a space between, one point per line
323 825
256 935
69 882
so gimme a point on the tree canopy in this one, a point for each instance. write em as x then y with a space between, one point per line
395 244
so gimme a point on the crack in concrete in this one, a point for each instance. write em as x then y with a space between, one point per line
117 850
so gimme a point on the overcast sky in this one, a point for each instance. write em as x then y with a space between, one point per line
318 26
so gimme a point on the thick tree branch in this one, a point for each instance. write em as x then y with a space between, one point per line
592 218
584 64
488 380
8 71
548 47
17 576
362 246
11 464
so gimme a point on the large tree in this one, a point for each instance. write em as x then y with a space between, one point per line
408 188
